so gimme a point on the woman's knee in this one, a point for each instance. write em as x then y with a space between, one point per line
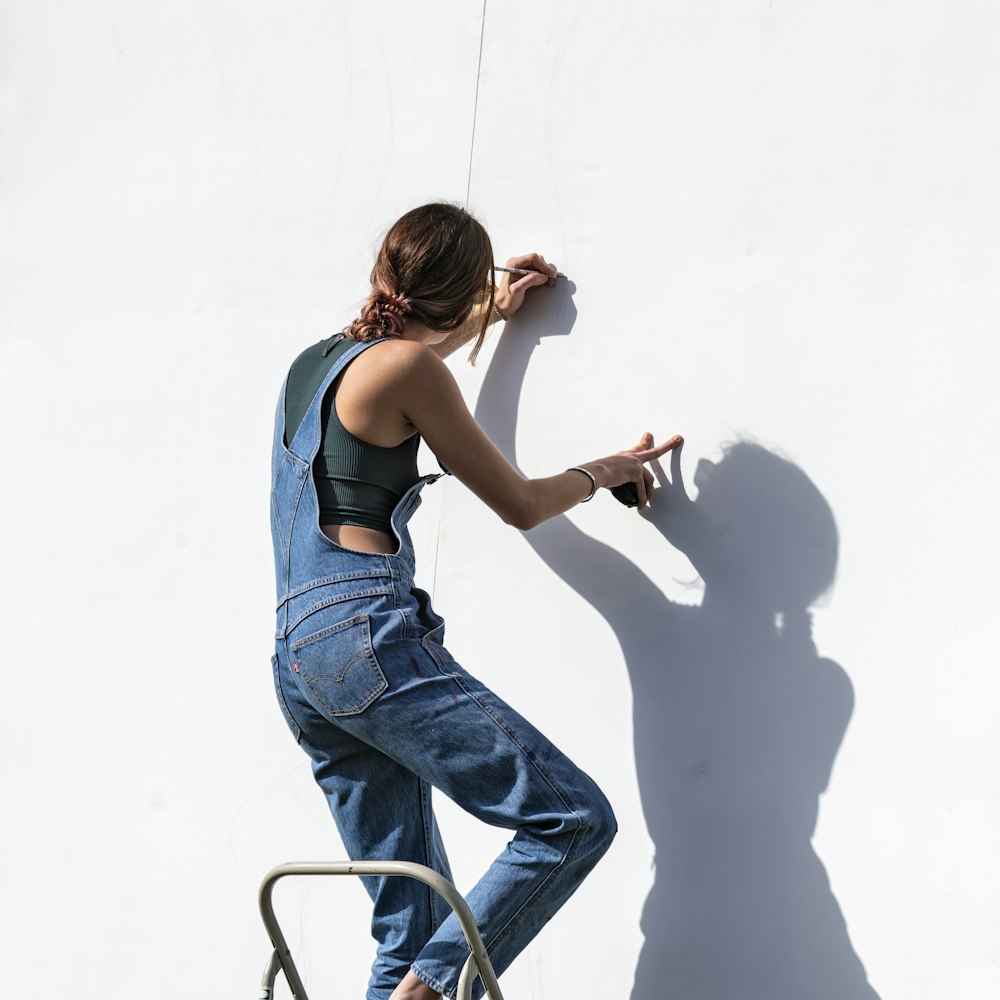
599 823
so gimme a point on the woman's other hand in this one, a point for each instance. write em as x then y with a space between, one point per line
629 466
509 297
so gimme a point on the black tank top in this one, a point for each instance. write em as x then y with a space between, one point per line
356 482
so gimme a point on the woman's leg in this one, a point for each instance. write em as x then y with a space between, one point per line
437 725
442 724
383 812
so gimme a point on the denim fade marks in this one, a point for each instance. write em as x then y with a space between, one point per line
369 691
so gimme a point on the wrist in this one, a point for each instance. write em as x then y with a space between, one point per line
591 478
598 471
503 306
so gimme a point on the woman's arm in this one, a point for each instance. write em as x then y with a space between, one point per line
428 398
616 587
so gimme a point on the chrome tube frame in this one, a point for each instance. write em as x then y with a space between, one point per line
477 964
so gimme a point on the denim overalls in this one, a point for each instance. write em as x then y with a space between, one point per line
373 697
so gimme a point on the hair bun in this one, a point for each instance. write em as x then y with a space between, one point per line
383 315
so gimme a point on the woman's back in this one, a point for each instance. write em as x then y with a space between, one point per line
357 481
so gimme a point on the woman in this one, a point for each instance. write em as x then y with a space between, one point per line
364 681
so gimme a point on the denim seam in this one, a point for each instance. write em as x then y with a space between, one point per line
285 543
401 608
286 550
339 578
355 595
293 456
277 527
394 594
510 922
338 713
291 529
277 475
323 633
292 724
559 793
433 983
536 895
549 780
425 814
393 564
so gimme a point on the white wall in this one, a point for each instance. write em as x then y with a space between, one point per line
780 223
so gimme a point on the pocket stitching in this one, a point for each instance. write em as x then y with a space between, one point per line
356 595
329 630
365 653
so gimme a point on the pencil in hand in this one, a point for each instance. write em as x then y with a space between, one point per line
526 270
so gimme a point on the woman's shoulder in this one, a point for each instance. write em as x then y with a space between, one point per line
387 355
393 373
392 360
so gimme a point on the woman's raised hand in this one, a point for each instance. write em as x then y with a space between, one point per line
509 295
629 466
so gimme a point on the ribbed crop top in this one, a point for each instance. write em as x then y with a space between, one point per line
356 482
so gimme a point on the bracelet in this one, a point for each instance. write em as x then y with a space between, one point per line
496 309
591 476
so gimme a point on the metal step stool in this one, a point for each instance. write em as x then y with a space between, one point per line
477 964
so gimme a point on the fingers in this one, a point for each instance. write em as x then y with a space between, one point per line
537 263
640 489
648 453
645 451
526 281
532 261
647 488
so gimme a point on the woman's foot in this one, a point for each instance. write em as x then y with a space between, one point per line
412 988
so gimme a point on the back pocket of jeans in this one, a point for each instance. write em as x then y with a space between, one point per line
338 666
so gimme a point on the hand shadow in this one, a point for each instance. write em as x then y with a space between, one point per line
737 720
546 312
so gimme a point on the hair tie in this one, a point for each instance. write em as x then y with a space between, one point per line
396 303
385 314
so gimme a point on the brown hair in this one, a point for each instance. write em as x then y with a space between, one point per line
435 264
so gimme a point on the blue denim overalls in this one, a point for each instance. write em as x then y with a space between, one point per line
371 694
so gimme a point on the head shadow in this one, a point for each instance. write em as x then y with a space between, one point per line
760 534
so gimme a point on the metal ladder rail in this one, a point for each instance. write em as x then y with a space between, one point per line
477 964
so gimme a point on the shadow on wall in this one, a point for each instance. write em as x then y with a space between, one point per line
737 719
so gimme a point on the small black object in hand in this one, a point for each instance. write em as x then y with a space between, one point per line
626 494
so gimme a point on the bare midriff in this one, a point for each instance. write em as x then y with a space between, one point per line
353 536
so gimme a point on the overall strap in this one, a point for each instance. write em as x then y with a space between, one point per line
306 441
